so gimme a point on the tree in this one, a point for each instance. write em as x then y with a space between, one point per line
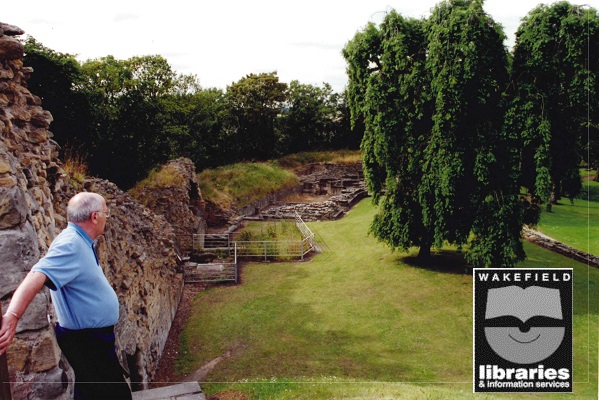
55 80
434 153
126 102
389 90
552 80
347 135
309 118
257 100
198 126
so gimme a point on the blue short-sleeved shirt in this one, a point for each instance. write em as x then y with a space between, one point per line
81 294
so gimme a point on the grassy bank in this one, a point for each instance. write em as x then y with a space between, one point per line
242 183
575 224
336 157
359 321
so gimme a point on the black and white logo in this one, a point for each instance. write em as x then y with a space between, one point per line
522 330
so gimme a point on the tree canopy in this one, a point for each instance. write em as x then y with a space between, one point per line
554 77
126 117
430 92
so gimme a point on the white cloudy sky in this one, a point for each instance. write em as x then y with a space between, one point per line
222 41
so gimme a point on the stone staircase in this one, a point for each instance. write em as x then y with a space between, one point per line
182 391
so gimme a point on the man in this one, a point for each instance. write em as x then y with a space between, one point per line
86 305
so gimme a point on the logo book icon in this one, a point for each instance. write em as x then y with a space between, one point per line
523 330
536 343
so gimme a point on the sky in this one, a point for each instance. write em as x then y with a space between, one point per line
222 41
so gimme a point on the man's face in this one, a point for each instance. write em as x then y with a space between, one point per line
101 217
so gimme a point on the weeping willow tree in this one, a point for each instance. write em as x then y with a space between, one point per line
554 81
435 156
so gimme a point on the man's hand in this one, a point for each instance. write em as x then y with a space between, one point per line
31 285
7 331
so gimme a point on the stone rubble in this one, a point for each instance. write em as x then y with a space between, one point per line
344 183
547 242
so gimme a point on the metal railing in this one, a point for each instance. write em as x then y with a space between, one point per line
5 392
273 249
307 233
212 272
211 242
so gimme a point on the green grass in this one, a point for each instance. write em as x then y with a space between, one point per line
359 321
336 157
242 183
575 224
272 230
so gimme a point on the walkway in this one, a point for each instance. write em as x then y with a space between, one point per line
182 391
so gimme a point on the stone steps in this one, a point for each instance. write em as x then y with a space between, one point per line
181 391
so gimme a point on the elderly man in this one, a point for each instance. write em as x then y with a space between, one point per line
86 305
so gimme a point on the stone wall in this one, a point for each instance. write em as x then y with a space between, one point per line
174 192
137 250
543 240
27 221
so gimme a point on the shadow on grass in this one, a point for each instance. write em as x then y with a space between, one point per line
444 261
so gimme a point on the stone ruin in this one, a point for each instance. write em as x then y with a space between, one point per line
137 250
342 184
180 201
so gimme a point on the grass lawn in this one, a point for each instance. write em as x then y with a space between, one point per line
576 224
359 321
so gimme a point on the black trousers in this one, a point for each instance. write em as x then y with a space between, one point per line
98 372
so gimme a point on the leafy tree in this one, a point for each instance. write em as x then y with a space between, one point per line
151 76
198 126
257 100
126 97
434 153
55 80
310 117
552 82
362 54
347 135
390 92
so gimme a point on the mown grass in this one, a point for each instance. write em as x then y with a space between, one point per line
359 321
242 183
575 224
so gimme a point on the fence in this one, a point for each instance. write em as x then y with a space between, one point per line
211 242
273 249
281 249
212 272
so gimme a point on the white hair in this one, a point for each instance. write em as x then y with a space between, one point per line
82 205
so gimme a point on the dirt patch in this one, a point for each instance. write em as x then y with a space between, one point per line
166 374
229 395
201 373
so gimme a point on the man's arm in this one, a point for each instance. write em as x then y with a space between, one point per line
31 285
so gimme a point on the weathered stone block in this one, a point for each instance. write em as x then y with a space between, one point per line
12 207
36 316
18 354
10 48
11 30
5 164
45 353
18 252
41 118
53 384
